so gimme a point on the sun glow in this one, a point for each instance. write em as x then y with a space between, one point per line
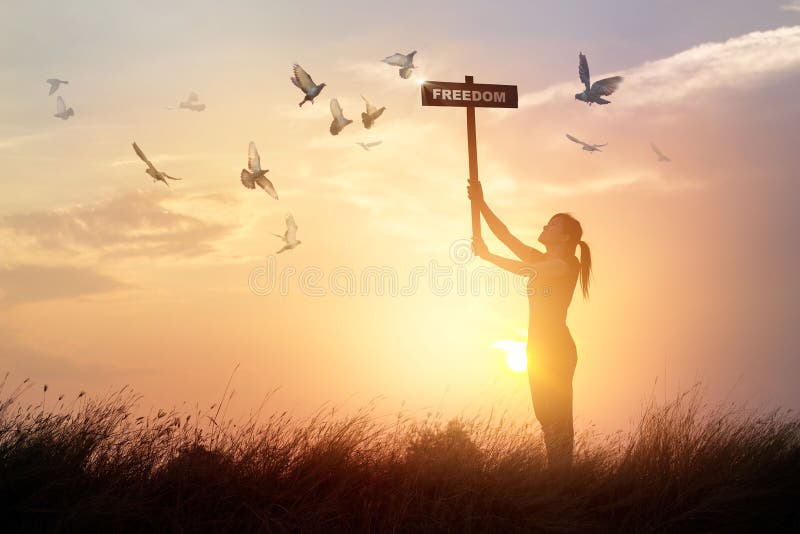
516 357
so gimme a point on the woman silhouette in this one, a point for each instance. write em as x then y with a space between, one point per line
552 355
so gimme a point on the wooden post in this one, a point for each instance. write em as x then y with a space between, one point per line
472 150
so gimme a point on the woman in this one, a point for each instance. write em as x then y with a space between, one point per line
551 351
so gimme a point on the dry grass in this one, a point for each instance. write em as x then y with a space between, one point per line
90 465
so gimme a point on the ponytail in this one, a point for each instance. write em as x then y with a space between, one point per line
586 267
576 232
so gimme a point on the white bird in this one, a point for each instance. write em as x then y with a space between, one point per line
303 81
339 122
586 146
192 103
55 83
290 236
598 89
372 113
157 175
62 111
661 156
367 146
254 174
404 61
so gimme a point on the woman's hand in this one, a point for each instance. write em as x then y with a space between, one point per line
479 248
475 191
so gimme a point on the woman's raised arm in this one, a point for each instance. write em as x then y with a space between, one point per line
499 229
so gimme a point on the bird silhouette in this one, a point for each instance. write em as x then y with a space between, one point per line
157 175
404 61
586 146
192 103
339 121
367 146
598 89
290 235
62 111
55 83
303 81
372 113
254 174
661 156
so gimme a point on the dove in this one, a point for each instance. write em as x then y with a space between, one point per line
404 61
372 113
339 122
661 156
304 82
290 236
598 89
253 174
62 111
157 175
586 146
192 103
367 146
55 83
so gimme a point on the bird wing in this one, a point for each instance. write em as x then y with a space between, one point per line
583 69
575 140
291 229
302 79
405 72
61 107
266 185
253 159
606 86
53 85
398 60
374 143
142 156
656 150
247 179
193 97
170 177
604 144
336 110
370 108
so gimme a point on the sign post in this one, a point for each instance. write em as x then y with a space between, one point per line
470 95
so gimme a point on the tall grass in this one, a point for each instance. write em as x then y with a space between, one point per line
89 464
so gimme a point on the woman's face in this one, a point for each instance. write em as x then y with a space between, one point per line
553 232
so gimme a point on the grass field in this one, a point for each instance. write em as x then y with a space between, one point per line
89 464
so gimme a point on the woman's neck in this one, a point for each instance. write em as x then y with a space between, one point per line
561 250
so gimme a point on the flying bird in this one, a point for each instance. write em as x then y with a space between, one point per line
661 156
62 111
253 174
157 175
339 122
367 146
598 89
290 235
192 103
55 83
404 61
586 146
303 81
372 113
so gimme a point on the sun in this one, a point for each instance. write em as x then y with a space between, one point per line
516 356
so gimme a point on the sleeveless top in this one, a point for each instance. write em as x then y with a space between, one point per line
549 298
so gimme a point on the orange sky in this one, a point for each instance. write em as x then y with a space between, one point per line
108 279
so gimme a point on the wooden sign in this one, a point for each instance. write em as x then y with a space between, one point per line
470 95
479 95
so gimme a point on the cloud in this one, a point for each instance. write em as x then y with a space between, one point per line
794 6
134 224
738 63
15 141
34 283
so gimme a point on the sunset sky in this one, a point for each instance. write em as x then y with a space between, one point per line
107 278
